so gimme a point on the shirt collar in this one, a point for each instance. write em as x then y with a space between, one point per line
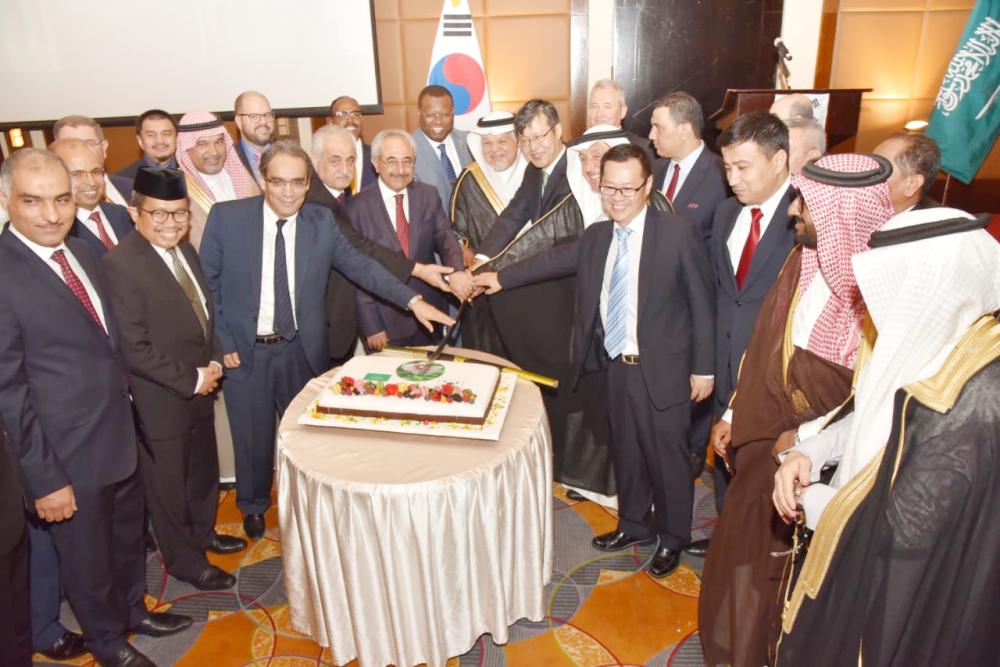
43 252
769 206
552 165
687 162
84 214
271 218
638 223
388 193
250 148
334 191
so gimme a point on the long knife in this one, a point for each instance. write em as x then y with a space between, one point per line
448 335
527 375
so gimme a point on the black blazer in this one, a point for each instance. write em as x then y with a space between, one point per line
341 294
737 309
368 175
64 391
703 190
121 223
162 339
676 327
528 203
242 155
11 500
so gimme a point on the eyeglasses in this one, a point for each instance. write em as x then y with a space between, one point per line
160 215
344 115
282 183
531 141
96 173
627 193
257 117
436 116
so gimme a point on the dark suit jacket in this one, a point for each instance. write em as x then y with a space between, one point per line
528 203
11 501
737 309
368 175
231 255
126 176
428 168
64 392
341 296
430 233
162 339
704 188
121 223
676 327
244 159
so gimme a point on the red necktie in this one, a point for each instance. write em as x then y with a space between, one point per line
341 198
751 245
101 232
402 226
75 286
673 182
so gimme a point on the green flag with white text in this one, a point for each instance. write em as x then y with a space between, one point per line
966 117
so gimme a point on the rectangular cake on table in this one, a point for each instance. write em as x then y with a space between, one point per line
395 388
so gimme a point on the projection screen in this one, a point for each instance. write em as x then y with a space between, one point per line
113 59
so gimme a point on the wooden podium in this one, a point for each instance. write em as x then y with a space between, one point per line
841 117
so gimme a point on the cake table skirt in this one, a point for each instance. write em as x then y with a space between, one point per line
404 549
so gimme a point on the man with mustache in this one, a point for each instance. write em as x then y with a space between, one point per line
345 112
156 134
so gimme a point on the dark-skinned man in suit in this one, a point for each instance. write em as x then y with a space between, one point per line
267 260
644 317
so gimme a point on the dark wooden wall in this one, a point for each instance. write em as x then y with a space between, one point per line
701 47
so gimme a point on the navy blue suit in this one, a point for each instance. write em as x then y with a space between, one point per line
64 400
270 375
121 223
703 189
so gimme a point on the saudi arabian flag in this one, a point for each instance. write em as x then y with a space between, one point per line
966 118
456 64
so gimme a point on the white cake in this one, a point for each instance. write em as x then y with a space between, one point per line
399 388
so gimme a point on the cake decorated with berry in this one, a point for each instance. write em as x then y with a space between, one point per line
397 388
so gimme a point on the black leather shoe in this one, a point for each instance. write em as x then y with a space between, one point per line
212 579
161 624
68 646
698 547
575 495
253 526
128 656
617 540
227 544
665 561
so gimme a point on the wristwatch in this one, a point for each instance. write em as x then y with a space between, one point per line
412 302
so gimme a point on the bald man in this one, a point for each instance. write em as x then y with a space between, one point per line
100 224
792 106
806 143
255 120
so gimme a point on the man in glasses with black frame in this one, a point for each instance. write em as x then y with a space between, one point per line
346 112
255 120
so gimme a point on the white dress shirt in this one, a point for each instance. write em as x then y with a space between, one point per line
449 148
741 230
83 215
169 261
45 254
637 226
221 185
333 191
686 164
389 201
265 316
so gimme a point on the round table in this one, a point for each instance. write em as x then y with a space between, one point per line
402 549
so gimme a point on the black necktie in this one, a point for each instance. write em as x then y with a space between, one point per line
284 320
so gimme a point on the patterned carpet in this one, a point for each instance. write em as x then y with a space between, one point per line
602 609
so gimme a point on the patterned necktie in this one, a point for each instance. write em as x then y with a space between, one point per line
76 286
284 320
187 285
102 233
402 226
342 197
449 169
743 269
672 188
615 321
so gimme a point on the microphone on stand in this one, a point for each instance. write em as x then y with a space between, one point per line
781 72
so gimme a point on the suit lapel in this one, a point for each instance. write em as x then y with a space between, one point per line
305 240
383 215
255 250
593 280
151 261
191 255
647 260
727 276
558 172
777 228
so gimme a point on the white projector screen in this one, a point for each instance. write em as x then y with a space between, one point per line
113 59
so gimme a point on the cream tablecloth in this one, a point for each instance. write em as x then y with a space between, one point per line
404 549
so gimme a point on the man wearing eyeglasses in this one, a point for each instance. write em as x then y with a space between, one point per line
345 112
442 152
164 311
100 224
267 260
644 318
255 120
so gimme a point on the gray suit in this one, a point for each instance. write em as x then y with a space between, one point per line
429 169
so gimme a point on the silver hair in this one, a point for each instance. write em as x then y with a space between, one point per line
328 131
16 158
608 83
385 134
812 132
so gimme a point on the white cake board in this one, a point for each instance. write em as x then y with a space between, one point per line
490 430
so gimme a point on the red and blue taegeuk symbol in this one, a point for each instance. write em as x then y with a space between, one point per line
464 79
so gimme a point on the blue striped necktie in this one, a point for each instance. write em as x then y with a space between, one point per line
449 168
284 320
615 322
